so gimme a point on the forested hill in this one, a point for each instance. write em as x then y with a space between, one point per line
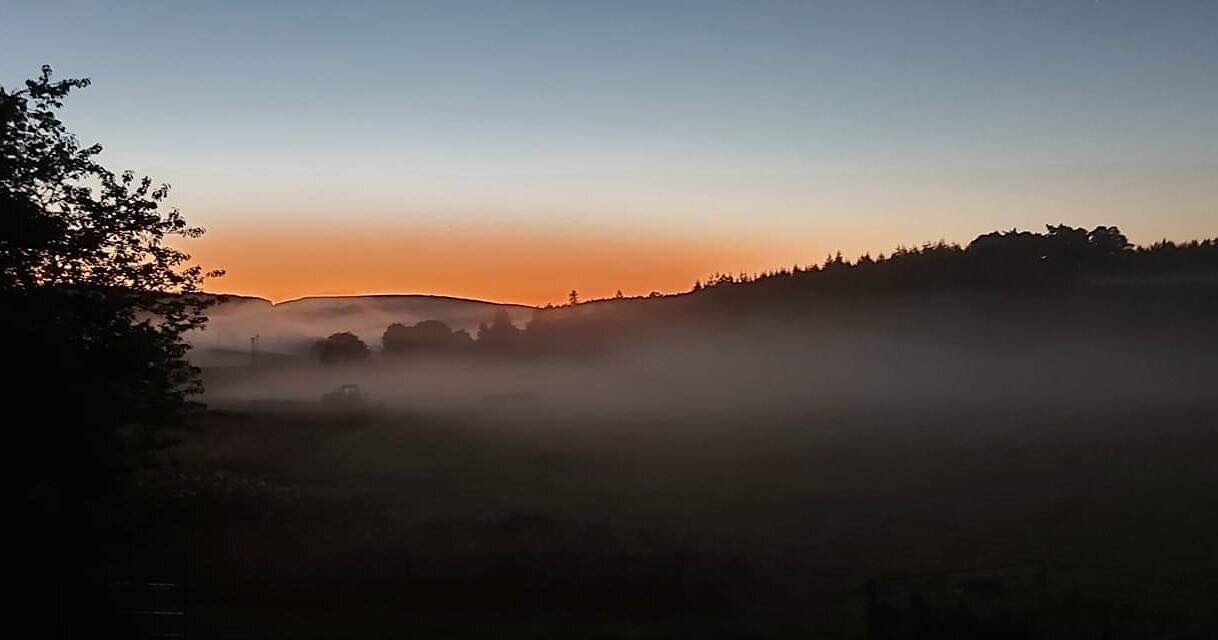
1062 266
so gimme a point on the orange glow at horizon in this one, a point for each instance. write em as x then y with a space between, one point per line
532 267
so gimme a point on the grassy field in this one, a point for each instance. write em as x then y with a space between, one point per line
513 521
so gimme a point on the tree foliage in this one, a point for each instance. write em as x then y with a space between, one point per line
341 348
94 297
424 336
1059 258
501 334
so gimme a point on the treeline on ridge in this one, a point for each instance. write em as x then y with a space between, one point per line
1061 257
1061 260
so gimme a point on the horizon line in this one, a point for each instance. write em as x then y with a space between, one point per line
371 295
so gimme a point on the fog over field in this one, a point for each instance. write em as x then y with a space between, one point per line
867 320
778 367
777 464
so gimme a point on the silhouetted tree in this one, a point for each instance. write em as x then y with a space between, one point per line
98 300
428 335
94 303
396 338
1106 245
501 334
341 348
573 297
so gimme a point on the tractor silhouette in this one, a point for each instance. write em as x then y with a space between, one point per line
347 396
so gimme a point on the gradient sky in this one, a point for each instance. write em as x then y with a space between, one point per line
515 150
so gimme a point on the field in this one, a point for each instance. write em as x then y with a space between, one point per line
903 469
517 518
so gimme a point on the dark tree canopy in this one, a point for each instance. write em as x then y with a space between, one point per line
94 302
95 299
341 348
1002 261
428 335
501 334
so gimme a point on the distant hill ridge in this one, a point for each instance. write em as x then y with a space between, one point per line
395 298
236 297
290 324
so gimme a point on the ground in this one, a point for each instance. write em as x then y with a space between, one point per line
291 522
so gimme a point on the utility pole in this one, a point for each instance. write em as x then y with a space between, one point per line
254 351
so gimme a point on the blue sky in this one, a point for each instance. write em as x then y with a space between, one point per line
755 132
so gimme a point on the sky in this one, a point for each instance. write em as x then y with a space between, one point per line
513 151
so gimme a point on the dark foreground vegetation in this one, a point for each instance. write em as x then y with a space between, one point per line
288 523
1010 439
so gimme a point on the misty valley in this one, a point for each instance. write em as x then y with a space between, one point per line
724 463
509 319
